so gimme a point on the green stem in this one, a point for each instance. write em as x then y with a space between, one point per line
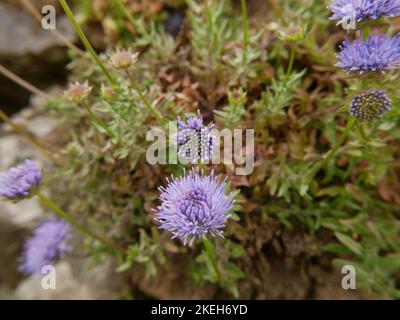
201 166
149 107
365 32
123 8
245 31
72 221
291 62
211 254
318 166
85 41
97 119
361 129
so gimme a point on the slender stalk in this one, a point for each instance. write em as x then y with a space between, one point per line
96 119
291 62
27 135
318 166
245 31
361 129
85 41
201 166
123 8
365 32
211 254
59 36
61 213
149 107
23 83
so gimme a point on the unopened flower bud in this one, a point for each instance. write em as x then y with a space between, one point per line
123 59
293 34
78 92
370 105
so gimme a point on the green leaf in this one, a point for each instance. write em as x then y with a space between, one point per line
349 243
336 248
124 267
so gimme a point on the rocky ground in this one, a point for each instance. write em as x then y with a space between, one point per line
37 56
16 221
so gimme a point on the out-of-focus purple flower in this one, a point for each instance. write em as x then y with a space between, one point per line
173 23
195 140
377 53
370 105
18 181
48 242
363 9
194 206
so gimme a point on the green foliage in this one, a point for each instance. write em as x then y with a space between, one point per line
296 101
147 252
211 28
202 270
127 120
233 113
277 97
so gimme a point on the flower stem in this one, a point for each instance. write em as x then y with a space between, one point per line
72 221
363 134
123 8
291 62
318 166
149 107
201 167
85 41
209 248
245 31
96 119
365 32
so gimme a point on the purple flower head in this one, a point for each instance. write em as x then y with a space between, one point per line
377 53
48 242
194 206
363 9
18 181
370 105
195 141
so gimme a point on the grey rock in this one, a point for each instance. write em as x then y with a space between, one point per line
22 34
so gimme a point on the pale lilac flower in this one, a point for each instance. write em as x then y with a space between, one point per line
194 206
19 181
370 105
48 242
376 53
195 140
363 9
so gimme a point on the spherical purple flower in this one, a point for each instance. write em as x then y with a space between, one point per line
18 181
195 141
49 242
194 206
363 9
370 105
377 53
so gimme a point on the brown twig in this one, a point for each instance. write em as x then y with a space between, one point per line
23 83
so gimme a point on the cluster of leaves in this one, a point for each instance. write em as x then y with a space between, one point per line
287 91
